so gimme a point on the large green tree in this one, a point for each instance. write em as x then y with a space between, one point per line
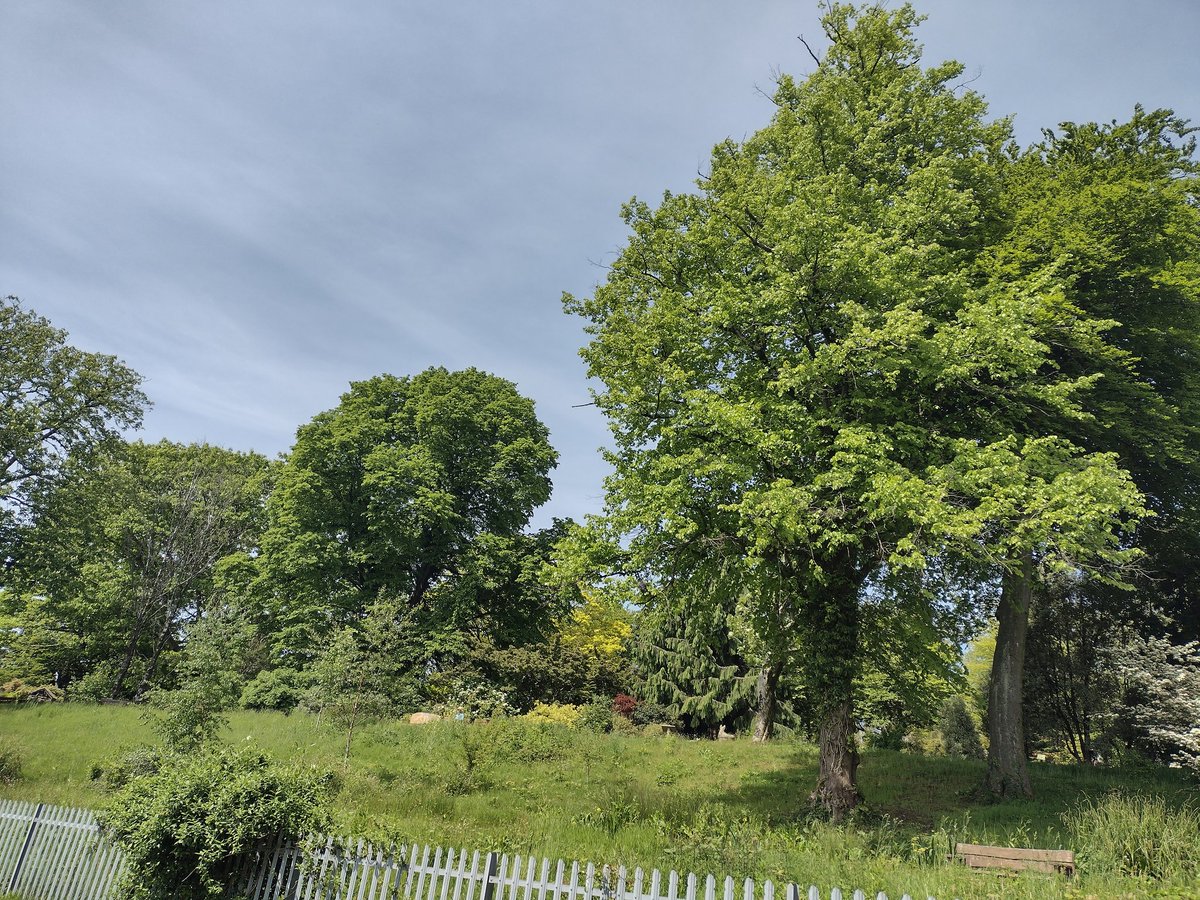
809 375
126 551
1113 211
56 403
407 485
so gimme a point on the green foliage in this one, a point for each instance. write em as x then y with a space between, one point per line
392 492
597 715
56 403
648 712
130 548
688 665
279 689
812 370
468 701
548 672
358 677
960 737
1144 837
183 826
978 663
528 741
209 681
117 772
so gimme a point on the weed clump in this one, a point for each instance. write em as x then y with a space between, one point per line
1143 837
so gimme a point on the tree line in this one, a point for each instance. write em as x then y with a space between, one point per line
884 381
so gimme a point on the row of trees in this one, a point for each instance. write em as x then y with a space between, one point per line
884 377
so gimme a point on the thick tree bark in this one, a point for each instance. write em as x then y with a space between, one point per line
768 704
1008 770
837 789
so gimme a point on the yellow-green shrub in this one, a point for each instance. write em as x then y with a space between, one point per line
559 713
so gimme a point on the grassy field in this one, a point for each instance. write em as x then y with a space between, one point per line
728 807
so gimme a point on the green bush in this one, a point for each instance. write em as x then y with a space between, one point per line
279 689
135 763
1139 836
525 740
183 826
597 716
11 761
648 712
549 673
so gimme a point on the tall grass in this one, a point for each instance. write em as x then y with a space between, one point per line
1145 837
728 807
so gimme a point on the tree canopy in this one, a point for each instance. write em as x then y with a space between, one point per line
56 403
389 493
810 374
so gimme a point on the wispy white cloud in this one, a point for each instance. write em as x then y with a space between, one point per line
256 203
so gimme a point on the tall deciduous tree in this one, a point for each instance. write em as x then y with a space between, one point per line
1113 210
127 550
808 375
391 493
56 402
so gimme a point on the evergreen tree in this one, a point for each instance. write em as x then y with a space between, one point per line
960 737
686 661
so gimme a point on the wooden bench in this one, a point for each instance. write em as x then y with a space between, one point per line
1016 859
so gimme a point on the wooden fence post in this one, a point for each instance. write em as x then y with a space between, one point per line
33 823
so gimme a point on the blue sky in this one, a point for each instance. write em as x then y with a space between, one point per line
255 203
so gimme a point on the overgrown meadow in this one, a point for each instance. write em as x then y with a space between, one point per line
727 807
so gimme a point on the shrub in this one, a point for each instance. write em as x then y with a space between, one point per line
526 740
279 689
558 713
549 672
95 686
185 824
622 725
1138 836
597 716
132 764
474 700
624 705
11 762
960 737
647 712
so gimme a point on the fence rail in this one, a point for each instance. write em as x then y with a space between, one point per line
58 853
54 853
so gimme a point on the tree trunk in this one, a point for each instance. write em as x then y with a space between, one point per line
135 636
834 624
764 715
1008 770
163 634
837 790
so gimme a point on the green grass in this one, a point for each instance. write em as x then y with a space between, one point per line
726 807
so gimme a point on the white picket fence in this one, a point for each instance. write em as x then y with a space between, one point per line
58 853
54 852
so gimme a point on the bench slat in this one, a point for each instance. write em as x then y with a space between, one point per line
1017 859
1025 853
